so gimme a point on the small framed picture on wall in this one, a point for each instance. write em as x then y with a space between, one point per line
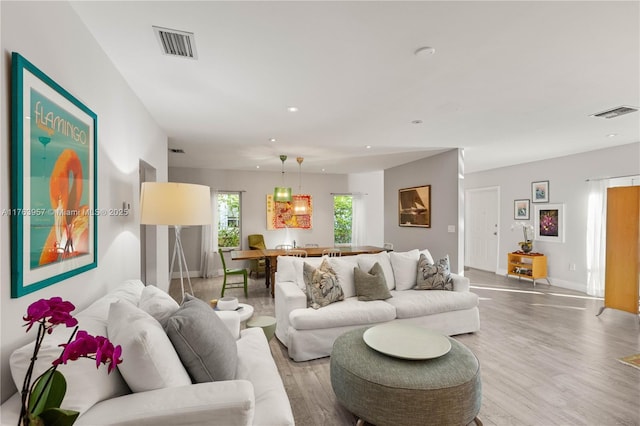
540 191
521 210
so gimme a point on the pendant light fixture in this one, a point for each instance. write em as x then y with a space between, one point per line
299 204
282 193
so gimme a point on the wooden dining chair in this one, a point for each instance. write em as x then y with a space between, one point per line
297 253
227 272
332 252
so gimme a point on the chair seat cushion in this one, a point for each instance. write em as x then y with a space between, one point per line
416 303
350 311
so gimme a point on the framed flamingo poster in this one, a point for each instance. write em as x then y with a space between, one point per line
53 181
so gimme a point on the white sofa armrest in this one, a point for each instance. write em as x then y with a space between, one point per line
288 296
228 402
460 283
232 320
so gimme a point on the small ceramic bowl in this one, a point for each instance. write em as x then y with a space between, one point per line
228 303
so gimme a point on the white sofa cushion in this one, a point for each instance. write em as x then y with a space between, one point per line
350 311
366 262
405 267
272 405
86 385
148 359
292 268
157 303
343 267
418 303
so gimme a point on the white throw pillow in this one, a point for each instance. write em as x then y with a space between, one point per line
286 269
149 360
86 384
343 267
427 254
405 266
157 303
366 262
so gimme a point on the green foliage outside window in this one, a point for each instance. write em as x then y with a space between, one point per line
229 220
342 216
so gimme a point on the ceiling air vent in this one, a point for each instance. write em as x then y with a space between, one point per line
615 112
176 150
176 43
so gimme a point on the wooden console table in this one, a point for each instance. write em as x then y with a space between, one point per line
271 257
532 266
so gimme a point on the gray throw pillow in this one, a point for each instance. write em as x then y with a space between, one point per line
204 344
371 285
434 276
322 285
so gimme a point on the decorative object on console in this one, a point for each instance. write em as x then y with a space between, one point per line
521 209
53 181
414 206
321 284
41 398
434 276
371 285
527 232
549 223
540 191
175 204
282 193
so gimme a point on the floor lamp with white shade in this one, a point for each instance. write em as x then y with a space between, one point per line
178 205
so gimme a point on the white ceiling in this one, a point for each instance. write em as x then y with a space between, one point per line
510 82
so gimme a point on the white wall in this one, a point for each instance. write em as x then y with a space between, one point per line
51 36
567 184
443 172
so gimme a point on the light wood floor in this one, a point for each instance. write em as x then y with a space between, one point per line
545 358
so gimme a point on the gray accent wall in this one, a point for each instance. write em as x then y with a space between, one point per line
444 173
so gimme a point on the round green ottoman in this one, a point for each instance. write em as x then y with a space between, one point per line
383 390
267 323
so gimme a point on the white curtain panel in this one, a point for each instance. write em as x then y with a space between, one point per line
210 240
357 220
597 229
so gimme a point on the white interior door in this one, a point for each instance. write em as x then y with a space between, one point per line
482 225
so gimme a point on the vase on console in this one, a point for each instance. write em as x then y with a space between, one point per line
526 246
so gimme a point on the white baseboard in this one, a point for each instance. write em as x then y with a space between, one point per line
569 285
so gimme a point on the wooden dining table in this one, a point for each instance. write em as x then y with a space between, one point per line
271 257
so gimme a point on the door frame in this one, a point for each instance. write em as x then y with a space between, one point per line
468 230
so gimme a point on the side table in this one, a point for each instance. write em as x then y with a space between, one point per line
267 323
244 310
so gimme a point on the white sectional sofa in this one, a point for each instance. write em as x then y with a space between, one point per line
310 333
255 397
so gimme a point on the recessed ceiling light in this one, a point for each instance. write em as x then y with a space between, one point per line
416 122
612 135
368 146
425 51
272 139
257 167
292 109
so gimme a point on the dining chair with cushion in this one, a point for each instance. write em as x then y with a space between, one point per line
257 266
228 272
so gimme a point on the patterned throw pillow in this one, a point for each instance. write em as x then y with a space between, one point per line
434 276
322 285
371 285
